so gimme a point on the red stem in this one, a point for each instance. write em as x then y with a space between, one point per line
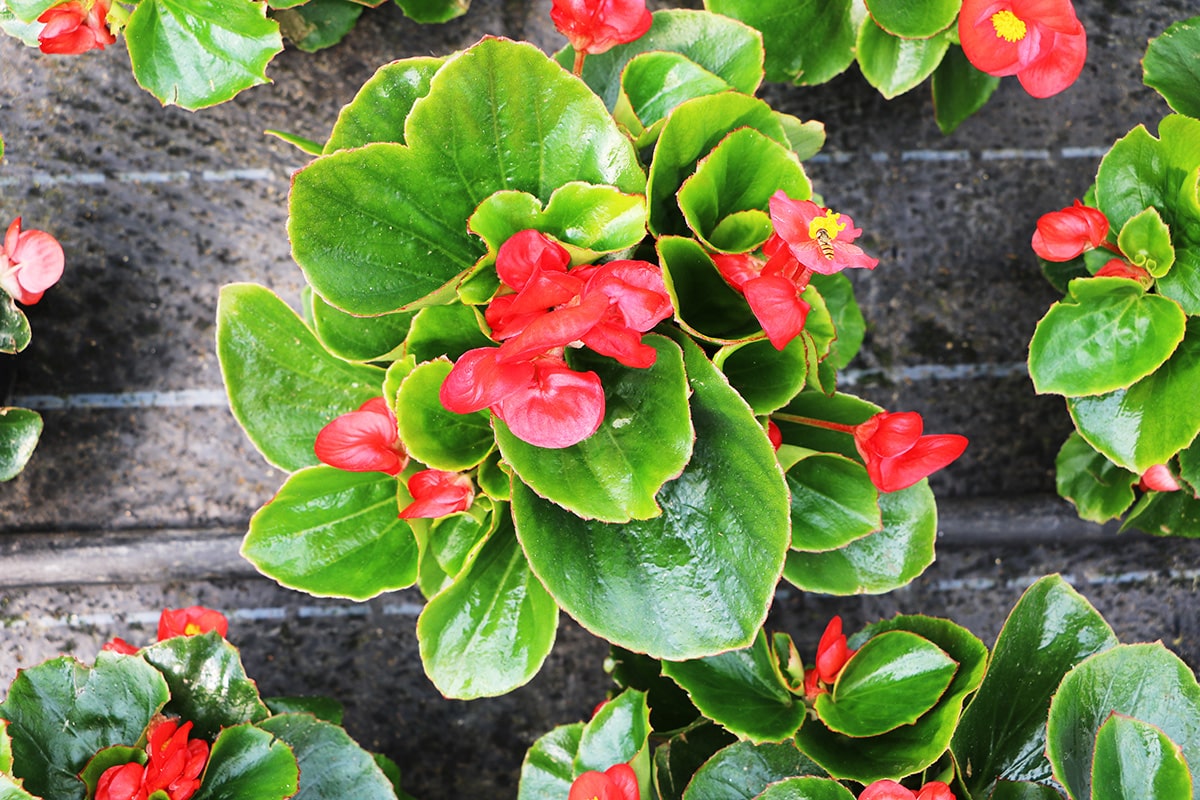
816 423
578 68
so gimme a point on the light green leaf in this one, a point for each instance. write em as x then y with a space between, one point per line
246 761
807 42
1171 66
1146 241
436 437
894 65
377 113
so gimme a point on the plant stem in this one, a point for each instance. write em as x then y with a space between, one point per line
816 423
579 57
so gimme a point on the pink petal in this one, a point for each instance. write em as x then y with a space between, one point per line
526 253
478 381
39 259
777 307
886 790
1059 68
362 441
437 493
737 269
637 290
554 329
559 408
615 340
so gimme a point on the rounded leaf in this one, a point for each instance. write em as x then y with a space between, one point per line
1170 66
433 435
1099 489
833 502
377 113
743 770
332 765
1137 761
914 20
807 788
246 761
808 43
20 430
894 65
549 766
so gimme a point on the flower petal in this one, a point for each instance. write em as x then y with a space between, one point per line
558 408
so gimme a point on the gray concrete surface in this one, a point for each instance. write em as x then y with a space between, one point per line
142 484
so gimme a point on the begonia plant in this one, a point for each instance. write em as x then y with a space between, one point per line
570 341
1123 346
177 719
911 708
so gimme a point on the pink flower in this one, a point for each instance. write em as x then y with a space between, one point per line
437 493
816 237
1158 479
774 297
595 26
174 766
75 27
897 455
890 790
1063 235
190 621
366 440
1039 41
832 655
618 782
30 263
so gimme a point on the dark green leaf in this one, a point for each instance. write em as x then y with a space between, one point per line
1166 514
808 788
670 707
1023 790
549 766
20 430
766 378
433 10
959 90
14 326
1099 488
332 765
702 299
325 708
848 322
894 65
676 761
833 502
744 770
616 734
1137 761
245 762
318 24
1182 283
807 42
1172 68
454 540
445 332
377 113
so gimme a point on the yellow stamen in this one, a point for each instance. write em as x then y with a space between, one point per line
828 223
1009 26
191 629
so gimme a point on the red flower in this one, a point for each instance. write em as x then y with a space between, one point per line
1039 41
436 494
890 790
363 441
618 782
832 655
174 766
119 645
1063 235
30 263
816 237
774 435
594 26
897 455
75 27
1118 268
775 297
1158 479
190 621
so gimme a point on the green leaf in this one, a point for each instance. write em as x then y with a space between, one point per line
197 53
5 748
807 788
455 540
115 756
848 323
742 691
959 90
655 83
704 302
766 378
894 65
616 734
1150 421
1137 761
644 441
910 20
283 385
378 112
805 138
1146 241
718 545
208 683
894 679
323 708
301 143
14 326
1143 681
333 533
1166 514
549 766
1182 283
1141 171
1099 489
433 435
490 630
744 770
1107 334
246 761
833 502
1171 66
806 42
358 338
739 176
11 789
670 707
879 562
842 408
318 24
20 430
381 228
445 332
1023 790
29 10
1189 465
433 10
61 713
332 765
678 759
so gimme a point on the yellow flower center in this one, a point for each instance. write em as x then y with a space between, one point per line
1009 26
191 629
828 224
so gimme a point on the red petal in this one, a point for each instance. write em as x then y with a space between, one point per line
526 253
119 645
437 493
553 329
1058 68
559 408
777 307
190 620
362 441
887 435
737 269
1159 479
624 344
886 790
477 381
935 790
122 782
981 45
591 785
926 457
624 781
636 288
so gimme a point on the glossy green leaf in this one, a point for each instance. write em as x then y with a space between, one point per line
691 132
1050 630
381 227
670 707
1166 514
590 221
718 546
1146 241
765 377
805 138
909 748
894 65
653 84
332 765
283 385
743 691
1171 66
833 502
736 178
1189 465
959 90
61 713
246 761
848 323
318 24
1153 419
1143 681
843 408
301 143
549 766
20 430
724 47
445 332
333 533
357 338
1182 283
495 477
615 734
645 440
1099 489
678 759
1023 790
433 10
377 113
879 562
1137 761
455 540
704 302
197 53
807 788
11 789
744 770
894 679
807 42
323 708
435 436
115 756
914 20
1141 171
1105 335
490 630
14 326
